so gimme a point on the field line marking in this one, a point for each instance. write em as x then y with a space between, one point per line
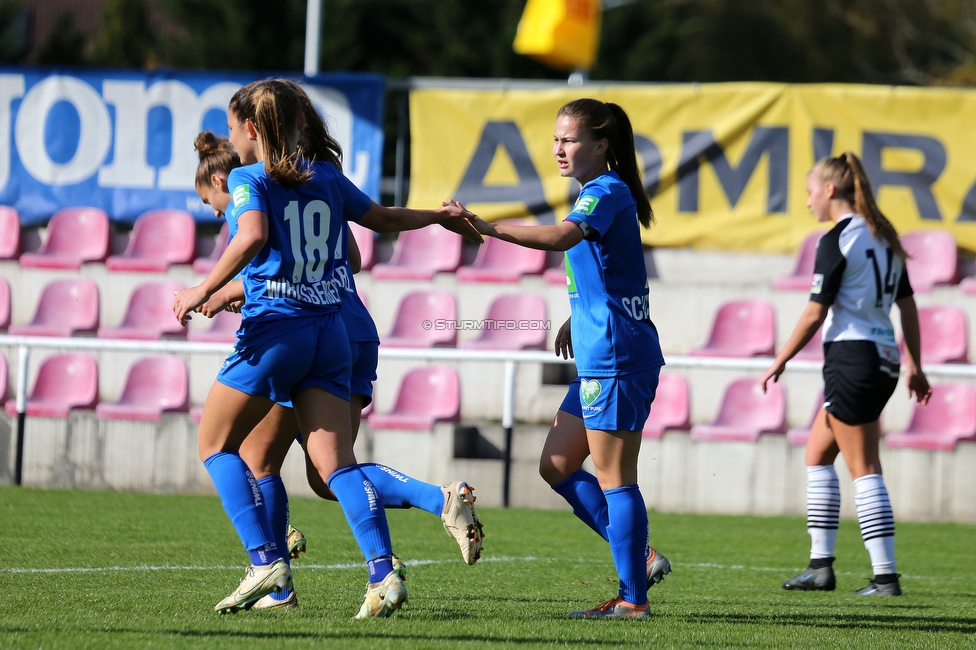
302 566
359 565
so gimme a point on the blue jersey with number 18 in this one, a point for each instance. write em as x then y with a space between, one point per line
294 274
611 323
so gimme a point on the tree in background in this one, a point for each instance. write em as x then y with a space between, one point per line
228 34
917 42
65 45
14 31
125 38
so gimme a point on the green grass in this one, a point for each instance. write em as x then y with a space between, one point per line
158 564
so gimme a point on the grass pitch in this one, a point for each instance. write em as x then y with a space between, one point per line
108 570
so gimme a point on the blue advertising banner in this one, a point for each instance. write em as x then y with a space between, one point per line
122 140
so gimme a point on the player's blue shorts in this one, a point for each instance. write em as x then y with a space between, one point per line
619 403
365 357
278 358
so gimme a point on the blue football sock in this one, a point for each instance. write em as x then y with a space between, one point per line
244 504
363 508
628 540
583 492
402 491
379 568
276 503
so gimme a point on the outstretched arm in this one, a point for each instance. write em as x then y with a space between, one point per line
394 219
918 384
810 321
558 237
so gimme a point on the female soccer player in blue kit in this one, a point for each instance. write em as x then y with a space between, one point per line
264 450
618 355
292 344
859 273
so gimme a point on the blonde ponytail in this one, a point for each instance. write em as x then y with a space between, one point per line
851 184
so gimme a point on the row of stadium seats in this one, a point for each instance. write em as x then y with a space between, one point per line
160 384
161 238
747 328
933 260
427 318
746 412
164 237
432 393
423 318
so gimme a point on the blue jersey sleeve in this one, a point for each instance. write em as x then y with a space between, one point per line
356 203
593 211
245 190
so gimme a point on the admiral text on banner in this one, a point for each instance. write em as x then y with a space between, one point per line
725 164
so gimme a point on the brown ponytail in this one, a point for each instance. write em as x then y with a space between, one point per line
316 141
273 108
610 121
217 156
851 184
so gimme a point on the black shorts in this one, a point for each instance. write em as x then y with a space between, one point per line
857 381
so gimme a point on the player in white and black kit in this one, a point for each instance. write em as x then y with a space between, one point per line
859 273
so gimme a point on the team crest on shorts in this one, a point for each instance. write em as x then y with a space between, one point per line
590 390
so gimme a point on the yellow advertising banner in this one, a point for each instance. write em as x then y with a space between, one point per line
725 164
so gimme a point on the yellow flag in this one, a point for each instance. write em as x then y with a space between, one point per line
563 34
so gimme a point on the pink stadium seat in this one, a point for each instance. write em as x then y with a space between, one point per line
149 315
416 324
223 328
196 414
949 418
802 276
9 233
502 261
933 258
813 350
64 382
745 413
799 436
66 307
968 285
515 321
74 236
556 275
419 254
4 304
3 380
154 385
945 334
159 238
671 408
742 328
204 265
366 241
427 395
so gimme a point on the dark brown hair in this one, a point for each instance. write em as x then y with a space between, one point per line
851 184
217 156
607 120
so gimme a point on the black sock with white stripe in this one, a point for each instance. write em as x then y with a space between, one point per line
823 510
877 522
